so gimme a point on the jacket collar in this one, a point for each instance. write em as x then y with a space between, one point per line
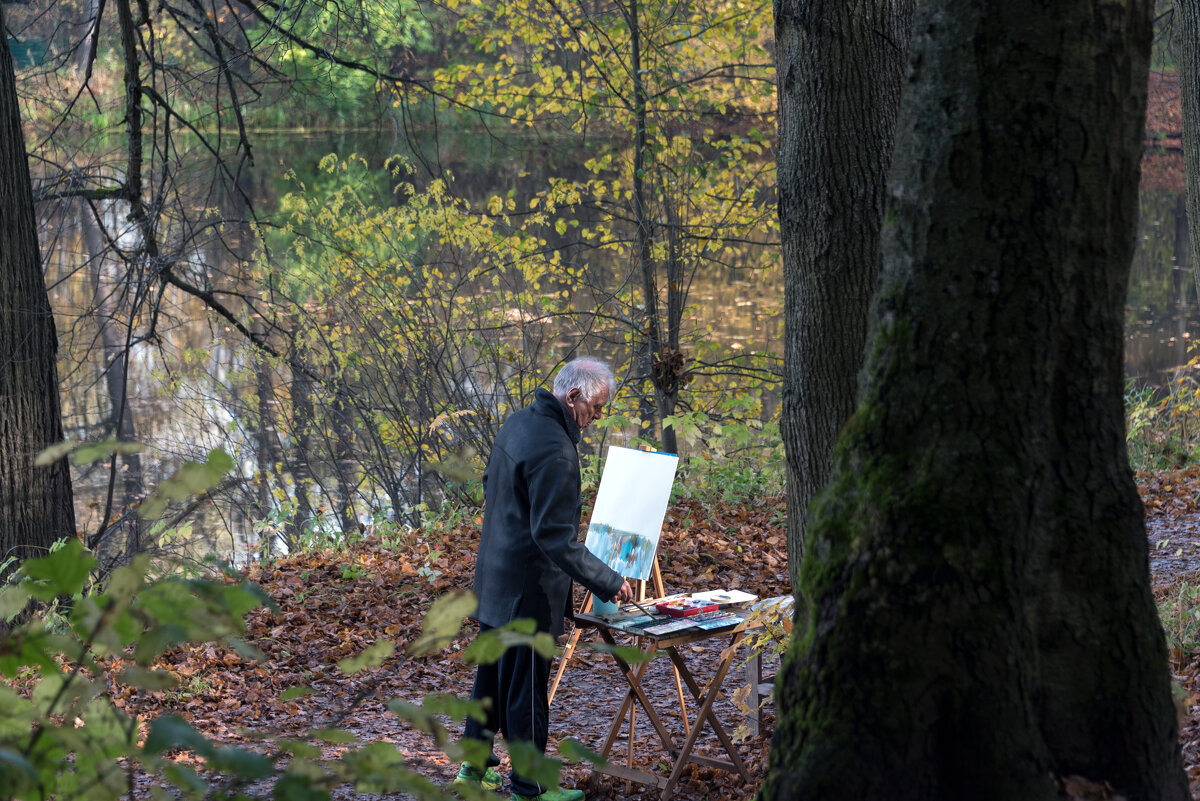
545 403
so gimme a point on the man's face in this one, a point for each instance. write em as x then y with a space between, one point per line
584 411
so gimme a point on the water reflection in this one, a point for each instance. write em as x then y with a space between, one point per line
194 384
1162 310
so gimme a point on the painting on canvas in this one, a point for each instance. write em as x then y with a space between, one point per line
630 506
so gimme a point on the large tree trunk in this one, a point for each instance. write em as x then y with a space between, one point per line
840 70
980 619
1187 17
35 502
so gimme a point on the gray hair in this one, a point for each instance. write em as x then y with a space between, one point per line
588 374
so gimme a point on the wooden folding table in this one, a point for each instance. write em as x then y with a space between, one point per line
682 754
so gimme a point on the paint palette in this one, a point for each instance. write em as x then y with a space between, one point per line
685 607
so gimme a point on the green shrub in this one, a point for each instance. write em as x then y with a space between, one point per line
62 736
1162 428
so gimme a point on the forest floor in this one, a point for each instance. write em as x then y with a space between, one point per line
332 604
1173 533
1162 155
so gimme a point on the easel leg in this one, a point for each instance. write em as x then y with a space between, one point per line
569 651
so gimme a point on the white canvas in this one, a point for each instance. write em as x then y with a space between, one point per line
630 506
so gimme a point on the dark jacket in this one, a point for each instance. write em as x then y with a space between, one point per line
530 550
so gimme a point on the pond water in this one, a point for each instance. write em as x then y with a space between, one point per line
182 412
188 383
1162 312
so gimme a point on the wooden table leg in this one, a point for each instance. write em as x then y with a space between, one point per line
633 677
682 755
706 701
754 700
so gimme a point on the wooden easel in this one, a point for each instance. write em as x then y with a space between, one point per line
569 650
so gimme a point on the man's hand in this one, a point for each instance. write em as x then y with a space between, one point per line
624 594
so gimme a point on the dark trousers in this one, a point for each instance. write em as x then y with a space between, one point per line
520 708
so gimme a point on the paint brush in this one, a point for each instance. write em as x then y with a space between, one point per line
645 611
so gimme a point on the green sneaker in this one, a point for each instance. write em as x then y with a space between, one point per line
488 779
556 794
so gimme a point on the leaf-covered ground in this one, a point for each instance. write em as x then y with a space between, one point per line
333 604
1162 155
1173 533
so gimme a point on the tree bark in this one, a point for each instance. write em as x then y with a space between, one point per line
980 618
1187 17
840 68
35 502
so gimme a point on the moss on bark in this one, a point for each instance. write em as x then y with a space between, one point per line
978 607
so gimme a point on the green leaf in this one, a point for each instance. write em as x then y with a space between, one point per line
241 598
242 762
443 622
63 690
158 639
574 751
29 646
486 649
334 736
16 715
86 454
16 772
55 452
532 764
13 599
88 620
490 645
454 707
185 778
544 645
477 752
379 768
63 572
522 625
191 479
296 692
125 581
293 787
373 656
299 748
172 731
138 676
629 653
244 649
415 714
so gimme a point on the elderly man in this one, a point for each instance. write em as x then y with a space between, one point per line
529 553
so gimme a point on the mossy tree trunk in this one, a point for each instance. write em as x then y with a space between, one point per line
980 618
840 69
1187 20
35 502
